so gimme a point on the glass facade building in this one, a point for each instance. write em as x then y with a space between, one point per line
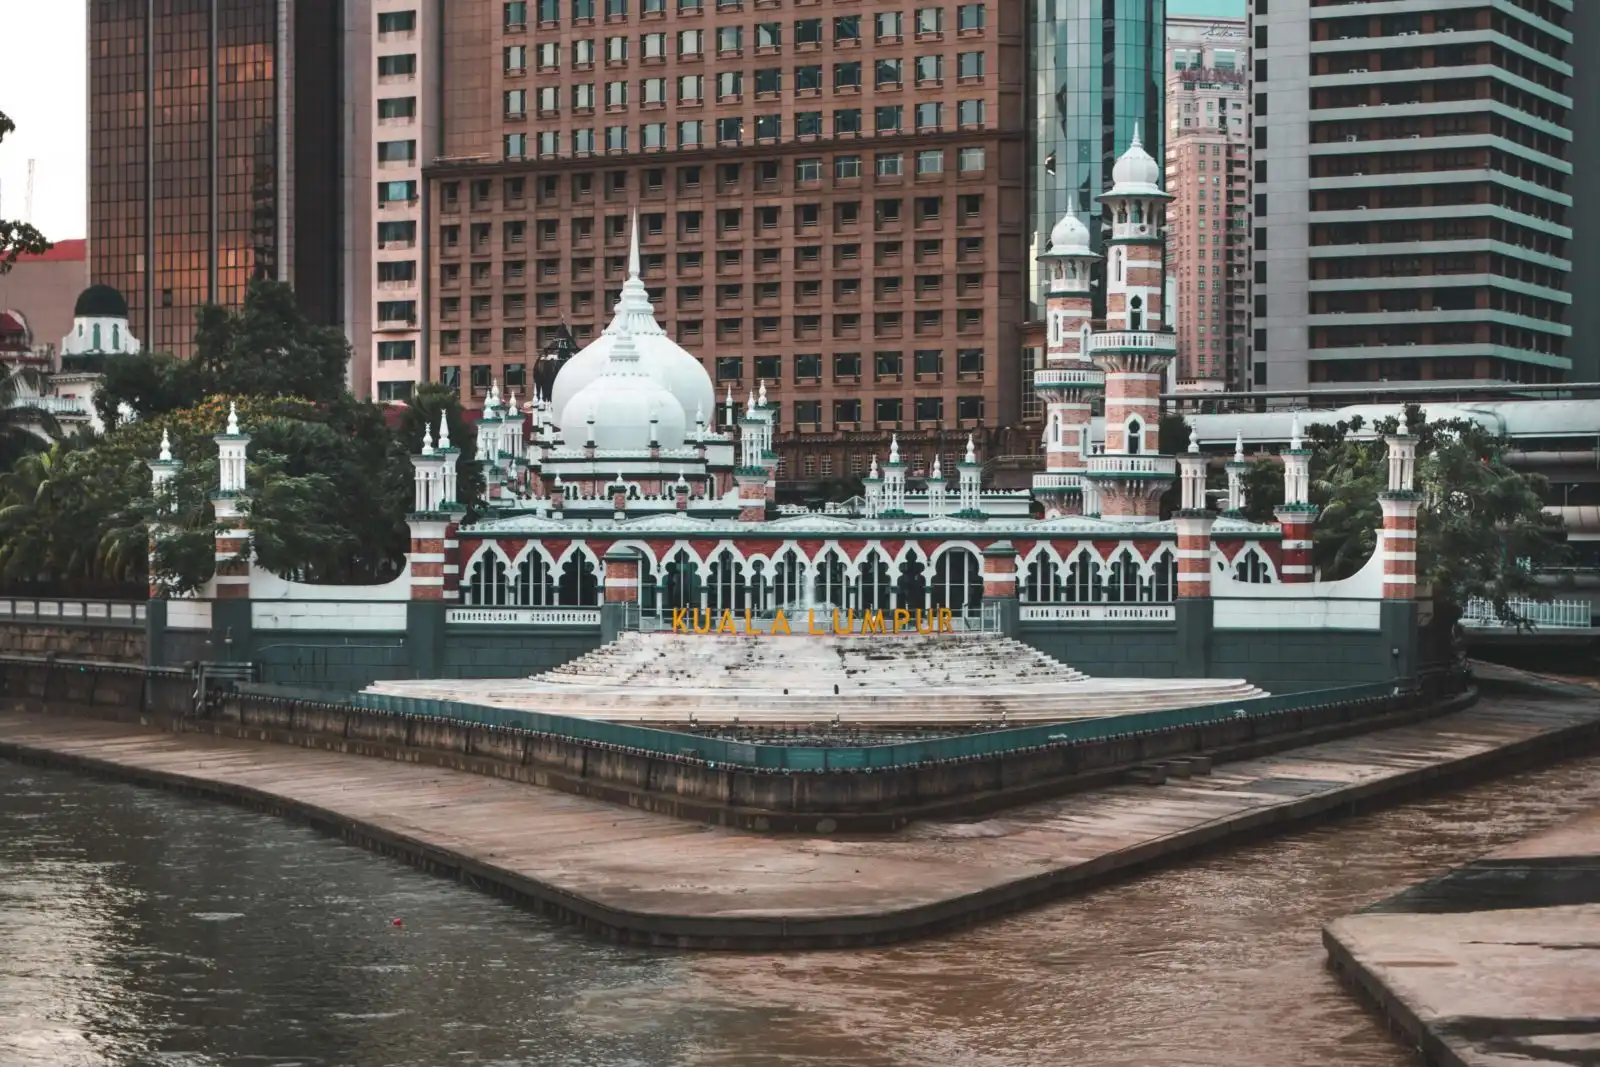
190 134
1098 72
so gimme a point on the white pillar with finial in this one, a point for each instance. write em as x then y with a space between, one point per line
232 579
1236 469
969 487
936 490
872 486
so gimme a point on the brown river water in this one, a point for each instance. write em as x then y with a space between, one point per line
142 928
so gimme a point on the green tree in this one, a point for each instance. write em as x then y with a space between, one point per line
150 384
17 237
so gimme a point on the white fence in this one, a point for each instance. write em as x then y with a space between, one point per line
73 612
1540 615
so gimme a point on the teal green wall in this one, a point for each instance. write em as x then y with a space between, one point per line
1109 650
492 652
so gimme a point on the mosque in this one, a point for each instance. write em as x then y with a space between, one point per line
631 502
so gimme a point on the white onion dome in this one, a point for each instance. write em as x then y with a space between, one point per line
658 355
1136 173
1070 237
623 401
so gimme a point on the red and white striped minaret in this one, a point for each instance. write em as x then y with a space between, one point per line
1069 381
1400 507
1296 515
1194 522
1136 345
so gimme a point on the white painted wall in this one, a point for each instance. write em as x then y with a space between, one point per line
364 617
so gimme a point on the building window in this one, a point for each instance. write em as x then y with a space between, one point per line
808 368
390 351
969 17
930 115
887 72
888 164
846 76
394 392
397 107
969 408
397 21
689 135
808 124
808 169
930 161
397 66
886 410
516 145
847 412
889 119
730 368
397 151
969 112
930 69
846 365
969 160
929 408
730 130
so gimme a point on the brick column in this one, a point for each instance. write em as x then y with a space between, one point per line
1296 521
1194 554
752 483
1398 546
428 535
1000 583
621 589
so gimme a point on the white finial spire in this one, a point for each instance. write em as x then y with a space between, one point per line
727 406
444 431
633 247
874 472
1194 445
427 440
972 450
511 403
1238 446
750 402
681 481
937 473
699 417
166 448
761 397
1294 433
1136 142
233 419
894 448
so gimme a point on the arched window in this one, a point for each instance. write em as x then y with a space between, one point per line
1138 211
830 586
1252 568
1136 313
1123 586
726 591
1135 433
1163 584
1116 265
1042 581
874 589
1083 580
97 337
579 586
958 581
789 580
760 588
487 584
680 581
116 338
535 582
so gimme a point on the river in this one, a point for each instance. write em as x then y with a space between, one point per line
142 928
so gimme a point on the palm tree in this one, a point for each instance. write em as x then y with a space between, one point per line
24 424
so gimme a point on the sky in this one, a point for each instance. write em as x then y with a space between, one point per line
42 89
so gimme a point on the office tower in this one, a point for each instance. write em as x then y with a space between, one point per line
1413 187
398 111
832 202
1208 175
1585 350
214 156
1098 72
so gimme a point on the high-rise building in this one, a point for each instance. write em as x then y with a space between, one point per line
1098 74
1208 175
398 103
832 202
1413 186
1585 350
214 156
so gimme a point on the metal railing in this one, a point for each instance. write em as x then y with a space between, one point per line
985 618
1532 614
72 611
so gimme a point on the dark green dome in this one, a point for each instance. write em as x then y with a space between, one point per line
100 302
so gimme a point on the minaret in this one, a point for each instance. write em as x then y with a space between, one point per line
233 540
1068 383
894 482
1297 514
1135 346
936 490
872 486
163 469
1236 468
969 485
435 575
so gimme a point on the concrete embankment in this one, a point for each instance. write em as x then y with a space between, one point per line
646 878
1495 963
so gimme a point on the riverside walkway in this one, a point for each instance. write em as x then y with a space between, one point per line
648 878
1495 963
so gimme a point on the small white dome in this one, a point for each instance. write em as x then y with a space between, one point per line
622 400
1069 235
1136 171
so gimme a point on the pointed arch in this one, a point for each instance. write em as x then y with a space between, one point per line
1161 583
1252 565
487 581
578 578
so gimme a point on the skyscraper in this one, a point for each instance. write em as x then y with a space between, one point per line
214 156
1208 174
1413 187
1098 72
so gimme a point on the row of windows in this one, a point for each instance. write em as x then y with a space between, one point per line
692 133
886 325
887 25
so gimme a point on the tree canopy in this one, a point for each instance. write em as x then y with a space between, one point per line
17 237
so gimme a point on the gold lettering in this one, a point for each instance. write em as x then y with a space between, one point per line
920 630
946 626
747 627
872 622
902 618
725 624
849 621
679 625
694 617
780 622
811 623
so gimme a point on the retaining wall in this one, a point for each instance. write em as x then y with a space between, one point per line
685 787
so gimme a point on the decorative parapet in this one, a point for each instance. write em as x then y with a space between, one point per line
1104 466
1071 378
1133 341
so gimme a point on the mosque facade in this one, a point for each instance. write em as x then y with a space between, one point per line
631 496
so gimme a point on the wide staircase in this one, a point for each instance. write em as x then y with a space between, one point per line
905 680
